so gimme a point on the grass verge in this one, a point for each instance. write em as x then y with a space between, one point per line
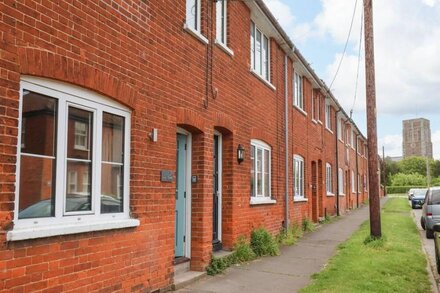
394 263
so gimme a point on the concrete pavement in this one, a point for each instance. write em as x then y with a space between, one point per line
290 271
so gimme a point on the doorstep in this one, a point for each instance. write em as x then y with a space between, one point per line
221 253
184 279
183 276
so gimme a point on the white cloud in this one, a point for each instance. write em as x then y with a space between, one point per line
299 32
407 49
281 12
430 3
435 137
407 44
392 144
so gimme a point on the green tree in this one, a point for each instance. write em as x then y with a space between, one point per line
402 179
413 165
390 169
435 168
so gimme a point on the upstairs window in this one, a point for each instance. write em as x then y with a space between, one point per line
329 178
298 174
260 52
221 21
328 118
353 139
193 15
298 91
340 128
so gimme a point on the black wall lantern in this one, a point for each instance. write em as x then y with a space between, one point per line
240 153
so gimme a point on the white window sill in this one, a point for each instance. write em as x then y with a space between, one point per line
262 200
330 194
314 121
66 229
225 48
272 87
300 110
300 199
340 140
342 194
329 130
195 34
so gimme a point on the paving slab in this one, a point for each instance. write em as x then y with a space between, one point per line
290 271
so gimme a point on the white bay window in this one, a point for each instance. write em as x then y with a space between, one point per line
77 148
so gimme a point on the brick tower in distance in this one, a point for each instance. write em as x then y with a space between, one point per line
417 138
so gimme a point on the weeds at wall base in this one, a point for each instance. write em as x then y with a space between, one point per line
262 243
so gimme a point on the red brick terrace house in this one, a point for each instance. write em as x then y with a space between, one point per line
139 136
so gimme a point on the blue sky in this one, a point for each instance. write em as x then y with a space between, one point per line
407 44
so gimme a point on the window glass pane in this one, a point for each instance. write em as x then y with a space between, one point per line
38 158
252 170
435 197
112 138
80 134
37 187
111 188
40 114
223 21
78 199
79 160
112 171
258 52
252 45
265 57
266 173
192 14
259 172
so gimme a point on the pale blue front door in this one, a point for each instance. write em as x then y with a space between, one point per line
179 246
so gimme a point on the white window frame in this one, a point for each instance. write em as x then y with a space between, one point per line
23 133
85 182
262 198
353 138
329 179
61 224
340 129
341 181
264 62
79 134
365 182
353 183
193 23
328 119
319 108
298 91
221 22
358 183
72 182
298 178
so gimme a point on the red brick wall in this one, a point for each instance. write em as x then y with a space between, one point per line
138 54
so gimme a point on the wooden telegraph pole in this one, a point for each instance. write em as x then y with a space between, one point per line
375 225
